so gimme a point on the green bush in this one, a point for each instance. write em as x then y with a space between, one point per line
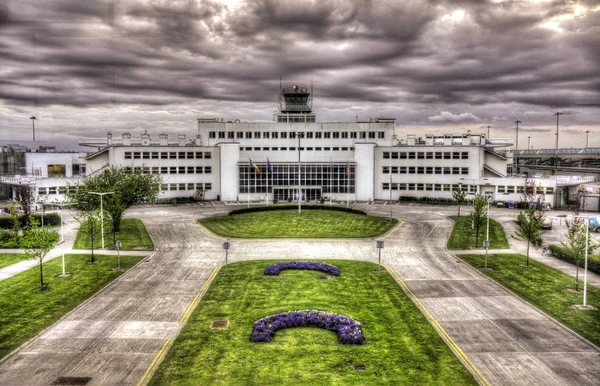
560 253
294 207
49 219
7 241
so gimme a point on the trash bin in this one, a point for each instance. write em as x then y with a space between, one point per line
511 204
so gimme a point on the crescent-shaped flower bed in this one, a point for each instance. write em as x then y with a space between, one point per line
347 329
274 269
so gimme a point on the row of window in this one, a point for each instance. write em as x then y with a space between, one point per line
520 189
299 148
168 155
53 190
187 186
424 170
426 155
174 170
453 187
293 134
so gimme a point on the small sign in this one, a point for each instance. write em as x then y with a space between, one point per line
380 244
118 244
226 245
486 243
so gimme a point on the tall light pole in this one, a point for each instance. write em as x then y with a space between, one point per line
390 196
517 148
487 235
528 142
62 235
101 212
299 134
558 114
33 118
587 137
489 127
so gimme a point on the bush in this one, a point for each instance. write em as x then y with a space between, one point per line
7 241
294 207
49 219
274 269
348 329
560 253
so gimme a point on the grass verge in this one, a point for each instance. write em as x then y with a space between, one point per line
401 348
132 235
25 311
463 237
546 288
7 259
290 224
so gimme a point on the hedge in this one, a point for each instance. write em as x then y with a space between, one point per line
294 207
7 241
49 219
559 252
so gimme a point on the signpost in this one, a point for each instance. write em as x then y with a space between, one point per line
226 246
119 245
379 244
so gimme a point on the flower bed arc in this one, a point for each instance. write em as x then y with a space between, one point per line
348 330
275 269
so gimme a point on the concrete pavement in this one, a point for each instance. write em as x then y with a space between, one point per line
114 337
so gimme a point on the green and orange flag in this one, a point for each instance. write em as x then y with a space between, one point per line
256 168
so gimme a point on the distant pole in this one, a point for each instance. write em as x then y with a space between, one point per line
390 196
487 237
558 114
33 122
587 234
587 137
248 184
347 184
489 127
267 193
529 142
299 134
517 149
330 178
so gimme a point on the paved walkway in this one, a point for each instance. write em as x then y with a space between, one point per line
114 337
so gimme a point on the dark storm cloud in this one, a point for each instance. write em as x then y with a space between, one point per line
420 61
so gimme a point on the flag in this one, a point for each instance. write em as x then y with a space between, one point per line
256 168
269 166
347 169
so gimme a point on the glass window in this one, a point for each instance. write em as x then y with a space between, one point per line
207 169
371 135
181 155
56 170
257 134
283 134
386 170
395 154
190 186
164 170
420 155
394 169
42 191
127 155
429 155
447 155
190 170
336 134
386 186
275 135
363 135
207 155
208 186
266 134
164 155
221 136
344 134
465 155
402 169
438 155
327 134
230 135
173 170
172 155
239 134
386 155
182 170
199 169
353 134
136 155
420 170
154 155
212 134
182 186
318 135
381 135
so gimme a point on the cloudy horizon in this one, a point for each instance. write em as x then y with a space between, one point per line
435 66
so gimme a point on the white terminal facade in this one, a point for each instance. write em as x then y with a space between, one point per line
356 161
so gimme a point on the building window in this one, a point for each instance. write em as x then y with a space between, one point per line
257 134
353 135
465 155
464 170
381 135
344 134
429 170
154 155
181 155
403 155
318 135
199 169
438 170
172 155
386 170
275 135
173 170
420 155
447 170
154 169
207 155
146 155
127 155
402 169
336 134
239 134
164 155
56 170
212 134
164 187
182 186
327 135
394 169
386 186
420 170
221 136
429 155
447 155
190 170
182 170
42 191
395 154
371 135
52 190
411 170
207 169
164 170
265 134
283 135
208 186
363 135
309 134
438 155
136 155
411 186
386 155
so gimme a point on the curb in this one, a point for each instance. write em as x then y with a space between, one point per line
462 357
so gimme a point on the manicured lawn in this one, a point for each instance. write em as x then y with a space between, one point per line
132 235
288 223
547 289
25 311
401 348
7 259
463 237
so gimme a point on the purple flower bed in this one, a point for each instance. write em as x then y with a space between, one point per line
274 269
348 329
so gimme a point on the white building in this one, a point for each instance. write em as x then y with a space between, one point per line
356 161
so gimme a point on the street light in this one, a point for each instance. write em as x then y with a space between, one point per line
33 122
62 235
487 236
390 196
528 142
489 127
102 212
517 147
299 134
587 137
558 114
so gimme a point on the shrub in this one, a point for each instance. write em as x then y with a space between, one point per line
294 207
7 241
560 253
274 269
49 219
348 330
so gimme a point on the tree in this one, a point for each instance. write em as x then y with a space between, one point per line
530 196
14 218
460 197
37 242
529 228
477 215
90 224
576 242
25 197
130 187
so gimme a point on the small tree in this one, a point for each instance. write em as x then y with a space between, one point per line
529 228
37 242
460 197
575 245
90 224
14 218
25 198
477 215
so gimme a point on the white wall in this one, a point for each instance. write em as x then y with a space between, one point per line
365 164
229 178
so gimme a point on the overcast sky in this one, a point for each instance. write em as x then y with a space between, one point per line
86 67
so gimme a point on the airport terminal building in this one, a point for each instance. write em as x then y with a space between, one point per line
250 161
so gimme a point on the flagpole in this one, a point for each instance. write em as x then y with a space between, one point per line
267 194
347 184
248 190
330 174
254 180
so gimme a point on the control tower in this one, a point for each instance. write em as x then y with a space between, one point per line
295 104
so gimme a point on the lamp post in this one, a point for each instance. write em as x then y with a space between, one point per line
517 148
62 235
587 137
390 197
558 114
487 235
528 142
101 212
489 127
33 118
299 134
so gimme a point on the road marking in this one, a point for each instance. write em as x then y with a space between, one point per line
194 304
155 363
462 357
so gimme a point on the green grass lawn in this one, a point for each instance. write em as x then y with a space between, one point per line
7 259
463 237
401 348
547 289
288 223
133 236
25 311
